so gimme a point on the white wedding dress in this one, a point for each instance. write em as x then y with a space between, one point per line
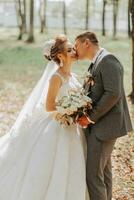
45 161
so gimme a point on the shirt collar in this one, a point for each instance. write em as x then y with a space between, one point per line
96 55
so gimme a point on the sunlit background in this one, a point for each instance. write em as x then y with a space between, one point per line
76 11
24 27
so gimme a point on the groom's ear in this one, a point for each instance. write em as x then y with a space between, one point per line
87 42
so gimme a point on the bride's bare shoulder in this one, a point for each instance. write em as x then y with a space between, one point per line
55 79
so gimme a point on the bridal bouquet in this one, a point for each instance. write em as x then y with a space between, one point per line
72 106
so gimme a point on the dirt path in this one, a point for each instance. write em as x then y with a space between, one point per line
123 165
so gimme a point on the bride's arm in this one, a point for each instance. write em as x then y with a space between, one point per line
54 86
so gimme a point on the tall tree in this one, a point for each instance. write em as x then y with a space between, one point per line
25 25
115 14
103 17
42 14
31 25
21 16
64 17
87 14
129 18
132 16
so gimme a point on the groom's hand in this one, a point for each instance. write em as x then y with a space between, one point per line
84 121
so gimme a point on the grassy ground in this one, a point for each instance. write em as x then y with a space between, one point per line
21 65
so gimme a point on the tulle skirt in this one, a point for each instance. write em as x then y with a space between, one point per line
43 161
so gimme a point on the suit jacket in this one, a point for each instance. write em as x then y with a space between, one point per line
110 111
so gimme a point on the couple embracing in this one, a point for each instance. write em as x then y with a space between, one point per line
42 160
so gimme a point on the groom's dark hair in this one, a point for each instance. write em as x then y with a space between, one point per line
88 35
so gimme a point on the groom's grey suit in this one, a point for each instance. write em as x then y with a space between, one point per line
111 116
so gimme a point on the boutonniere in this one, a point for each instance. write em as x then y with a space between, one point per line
88 79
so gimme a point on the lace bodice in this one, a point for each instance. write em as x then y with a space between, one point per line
67 84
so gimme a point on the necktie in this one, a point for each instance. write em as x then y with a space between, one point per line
91 67
87 86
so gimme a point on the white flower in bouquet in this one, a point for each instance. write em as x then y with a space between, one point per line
82 103
69 111
73 108
76 105
65 104
61 110
87 99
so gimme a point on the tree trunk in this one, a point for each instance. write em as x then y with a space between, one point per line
115 14
87 14
25 25
103 17
31 27
20 17
64 17
132 12
42 14
129 24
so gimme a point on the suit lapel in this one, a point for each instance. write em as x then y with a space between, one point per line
94 66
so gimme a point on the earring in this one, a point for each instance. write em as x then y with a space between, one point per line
61 63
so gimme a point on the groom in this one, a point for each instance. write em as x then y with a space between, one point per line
110 114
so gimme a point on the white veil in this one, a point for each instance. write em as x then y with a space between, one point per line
38 95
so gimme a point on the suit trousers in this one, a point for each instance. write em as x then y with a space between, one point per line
98 167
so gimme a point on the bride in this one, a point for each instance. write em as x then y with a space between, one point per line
40 159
